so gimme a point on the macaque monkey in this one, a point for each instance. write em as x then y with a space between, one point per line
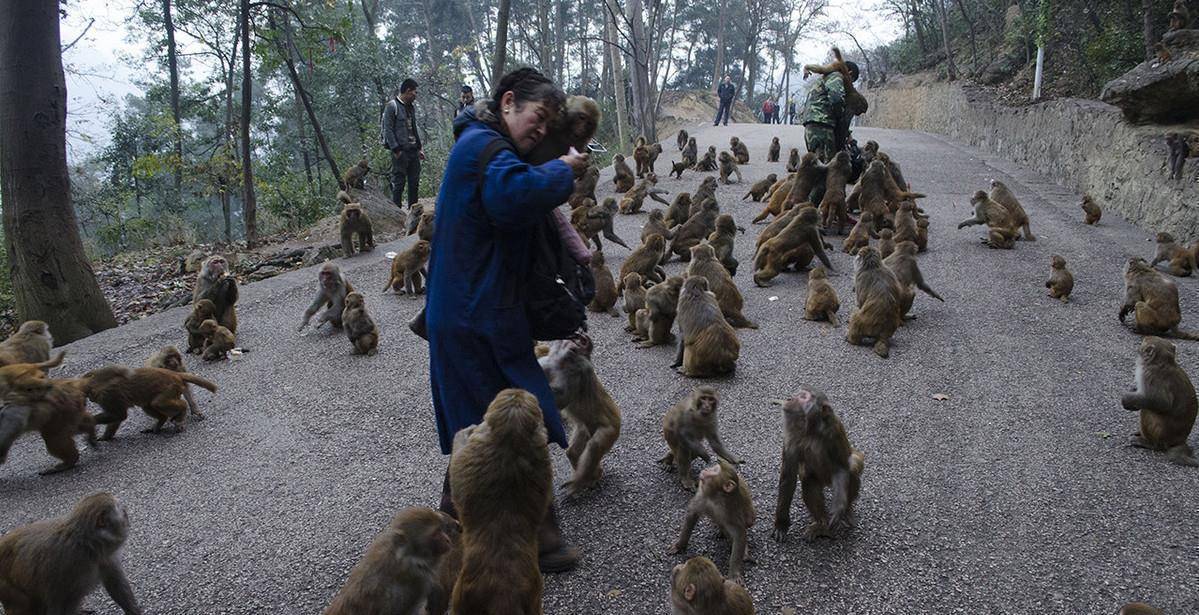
201 310
793 160
772 154
686 426
634 298
1153 300
359 327
708 345
27 380
53 408
1060 281
355 176
50 567
640 156
817 453
707 164
655 320
722 496
1179 151
644 261
399 568
1139 608
195 258
682 139
1163 54
879 295
886 242
722 241
331 292
696 588
760 187
1000 194
218 341
922 234
822 302
728 167
796 244
678 213
704 264
832 206
623 180
585 187
740 151
1091 209
412 218
344 197
652 153
1182 260
216 284
30 344
605 285
1002 229
906 228
158 392
903 264
706 190
170 358
424 225
690 153
354 220
677 168
1166 400
635 198
656 225
573 127
697 228
408 270
1180 17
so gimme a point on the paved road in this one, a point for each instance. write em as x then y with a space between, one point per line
1015 495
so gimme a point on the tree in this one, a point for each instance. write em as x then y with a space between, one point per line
249 200
52 278
173 68
501 42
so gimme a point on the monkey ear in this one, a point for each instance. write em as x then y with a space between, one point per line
729 486
689 592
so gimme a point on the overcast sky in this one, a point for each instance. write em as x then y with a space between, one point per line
103 66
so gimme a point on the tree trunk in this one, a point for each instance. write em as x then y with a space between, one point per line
916 21
719 64
973 41
249 201
229 150
501 43
1150 36
643 112
303 95
950 69
301 132
617 76
52 279
173 68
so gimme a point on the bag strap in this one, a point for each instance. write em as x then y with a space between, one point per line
488 152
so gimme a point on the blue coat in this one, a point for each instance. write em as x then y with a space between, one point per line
479 341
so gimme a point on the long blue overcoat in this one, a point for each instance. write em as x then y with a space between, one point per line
479 341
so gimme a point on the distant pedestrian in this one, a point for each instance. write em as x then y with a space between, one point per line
767 111
725 93
399 135
790 111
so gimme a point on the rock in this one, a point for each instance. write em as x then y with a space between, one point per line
320 254
263 273
1161 92
191 264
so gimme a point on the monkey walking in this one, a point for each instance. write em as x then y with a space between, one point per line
1153 301
722 496
331 292
408 270
55 408
697 588
170 358
1166 399
686 426
30 344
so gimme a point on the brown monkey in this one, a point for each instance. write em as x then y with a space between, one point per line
408 270
678 212
811 173
875 188
654 151
722 240
760 187
591 220
772 155
886 242
1163 54
359 326
424 225
201 310
633 200
573 127
795 245
1060 281
623 180
399 569
355 176
170 358
1091 209
777 225
690 153
55 409
677 168
412 218
594 417
1153 300
585 187
832 206
1139 608
644 260
708 345
1182 260
740 152
331 291
696 588
723 496
902 263
344 197
216 284
922 234
686 426
793 160
30 344
158 392
707 164
879 294
822 302
817 453
655 320
682 139
218 340
500 481
900 183
634 298
605 286
706 190
1000 194
641 156
51 566
728 167
1166 399
778 183
1180 17
27 380
906 228
1002 233
354 220
1179 150
695 229
656 225
704 264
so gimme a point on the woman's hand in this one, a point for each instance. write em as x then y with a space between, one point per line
576 161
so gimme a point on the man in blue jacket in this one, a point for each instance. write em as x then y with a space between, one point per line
725 92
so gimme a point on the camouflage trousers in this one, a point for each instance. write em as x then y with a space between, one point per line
820 140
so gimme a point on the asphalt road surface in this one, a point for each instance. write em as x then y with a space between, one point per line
1017 494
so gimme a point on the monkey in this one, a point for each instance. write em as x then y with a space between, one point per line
832 206
772 154
1179 151
51 566
1153 300
633 293
355 220
809 174
722 240
683 139
706 190
795 245
359 326
632 201
822 302
216 284
722 496
1180 17
686 426
760 187
27 380
875 188
900 183
424 225
500 481
355 176
902 263
853 99
193 260
921 234
573 127
412 219
1091 210
879 294
344 198
201 310
585 187
170 358
690 153
778 183
653 151
1182 260
1139 608
1163 54
707 164
1060 281
886 242
869 151
708 345
54 408
1000 194
30 344
408 270
793 160
655 320
698 227
740 151
678 212
906 228
218 341
641 156
331 291
656 225
817 453
591 220
1166 399
446 576
1002 233
116 388
777 225
704 264
644 261
594 417
623 180
605 285
399 569
728 167
677 168
696 588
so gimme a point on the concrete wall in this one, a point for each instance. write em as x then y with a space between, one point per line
1083 145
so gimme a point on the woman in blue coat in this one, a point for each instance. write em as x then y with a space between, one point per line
479 340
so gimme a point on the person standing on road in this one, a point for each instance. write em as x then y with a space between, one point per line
767 111
790 111
400 137
490 202
826 115
725 93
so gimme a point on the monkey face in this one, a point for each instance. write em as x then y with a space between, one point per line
702 252
329 276
817 273
352 214
706 402
216 266
1058 262
354 300
719 477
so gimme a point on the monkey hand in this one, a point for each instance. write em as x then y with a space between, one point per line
1128 401
676 548
806 73
1124 313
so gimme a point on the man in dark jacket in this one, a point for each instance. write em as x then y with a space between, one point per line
467 99
399 135
725 92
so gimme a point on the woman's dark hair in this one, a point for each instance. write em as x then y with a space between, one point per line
528 85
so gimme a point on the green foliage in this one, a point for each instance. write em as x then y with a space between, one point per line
7 302
1114 52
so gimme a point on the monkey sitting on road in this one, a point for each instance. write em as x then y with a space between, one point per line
704 264
656 225
728 167
1166 399
408 270
690 154
1060 281
1153 300
201 310
216 284
30 344
158 392
623 179
170 358
772 155
793 160
331 292
708 345
633 294
723 496
859 236
686 426
722 240
707 164
605 285
218 340
694 230
795 245
355 176
879 296
740 151
1000 194
1091 209
655 320
822 302
886 243
354 220
696 588
645 261
922 235
1002 233
1182 260
359 326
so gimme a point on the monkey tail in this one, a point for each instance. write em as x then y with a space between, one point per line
1183 334
908 196
198 381
55 362
857 462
